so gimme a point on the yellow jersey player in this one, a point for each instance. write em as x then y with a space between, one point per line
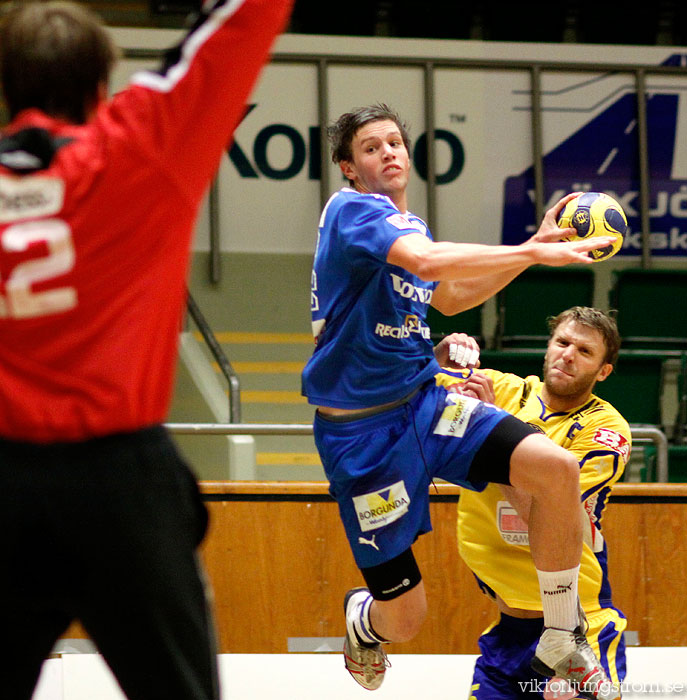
492 524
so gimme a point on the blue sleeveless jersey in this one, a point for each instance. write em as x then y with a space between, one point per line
369 317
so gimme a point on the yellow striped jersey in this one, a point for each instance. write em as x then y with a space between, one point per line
493 539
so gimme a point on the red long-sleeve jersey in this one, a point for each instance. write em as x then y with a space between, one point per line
95 232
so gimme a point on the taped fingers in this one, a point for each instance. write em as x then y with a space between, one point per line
463 355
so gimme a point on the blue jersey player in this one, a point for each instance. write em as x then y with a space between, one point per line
384 427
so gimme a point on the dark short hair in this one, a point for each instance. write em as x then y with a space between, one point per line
600 321
53 56
341 133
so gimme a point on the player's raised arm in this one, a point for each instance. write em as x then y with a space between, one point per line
445 260
471 273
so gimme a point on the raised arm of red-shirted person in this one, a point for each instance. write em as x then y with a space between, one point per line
470 273
184 114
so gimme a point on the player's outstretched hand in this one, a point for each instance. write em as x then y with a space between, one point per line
549 231
457 351
557 252
568 252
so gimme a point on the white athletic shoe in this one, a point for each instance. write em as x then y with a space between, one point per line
366 663
567 655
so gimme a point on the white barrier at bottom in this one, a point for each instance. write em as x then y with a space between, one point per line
654 673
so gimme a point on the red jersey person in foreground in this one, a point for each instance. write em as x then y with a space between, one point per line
99 517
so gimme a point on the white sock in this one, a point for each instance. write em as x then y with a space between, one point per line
358 618
559 598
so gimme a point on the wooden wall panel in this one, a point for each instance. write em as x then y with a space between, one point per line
648 566
624 528
274 567
666 573
281 569
280 565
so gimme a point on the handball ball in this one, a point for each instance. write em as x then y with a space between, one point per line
595 214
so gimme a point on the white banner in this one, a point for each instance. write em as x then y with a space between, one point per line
269 181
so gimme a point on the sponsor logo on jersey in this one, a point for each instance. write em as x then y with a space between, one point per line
456 415
379 508
512 527
613 440
592 534
590 506
404 222
410 291
412 324
29 197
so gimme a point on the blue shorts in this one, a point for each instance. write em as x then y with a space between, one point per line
503 672
380 467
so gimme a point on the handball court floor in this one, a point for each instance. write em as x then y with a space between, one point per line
655 672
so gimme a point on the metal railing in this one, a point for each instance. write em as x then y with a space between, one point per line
638 434
658 437
219 356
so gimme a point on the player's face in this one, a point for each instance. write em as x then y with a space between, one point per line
380 161
574 362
